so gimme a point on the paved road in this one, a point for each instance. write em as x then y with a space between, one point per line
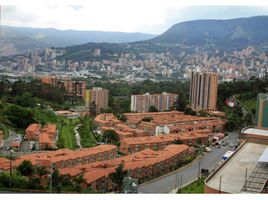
167 184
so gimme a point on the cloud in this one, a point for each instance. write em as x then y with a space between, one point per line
119 15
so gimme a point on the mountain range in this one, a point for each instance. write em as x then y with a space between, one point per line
21 39
221 34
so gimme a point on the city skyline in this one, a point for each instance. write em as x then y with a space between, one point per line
118 15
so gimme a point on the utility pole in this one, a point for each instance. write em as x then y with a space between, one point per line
246 176
51 173
181 181
10 169
176 179
220 185
198 173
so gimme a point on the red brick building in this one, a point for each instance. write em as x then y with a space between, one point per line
65 158
135 144
144 166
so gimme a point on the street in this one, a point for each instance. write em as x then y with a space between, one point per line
170 183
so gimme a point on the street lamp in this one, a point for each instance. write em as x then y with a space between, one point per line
10 167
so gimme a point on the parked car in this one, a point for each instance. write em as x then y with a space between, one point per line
231 144
207 149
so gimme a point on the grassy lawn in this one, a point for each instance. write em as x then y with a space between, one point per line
197 187
67 135
250 103
86 135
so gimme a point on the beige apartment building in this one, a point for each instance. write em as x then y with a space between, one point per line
71 87
203 91
99 96
141 103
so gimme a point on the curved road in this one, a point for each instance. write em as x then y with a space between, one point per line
170 183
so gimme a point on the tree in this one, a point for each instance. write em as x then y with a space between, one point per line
118 177
121 117
189 111
40 170
180 103
77 183
25 100
178 141
20 117
110 136
202 113
35 183
26 168
93 109
152 109
147 119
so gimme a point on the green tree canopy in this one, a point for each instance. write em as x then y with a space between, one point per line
110 136
20 117
152 109
118 177
26 168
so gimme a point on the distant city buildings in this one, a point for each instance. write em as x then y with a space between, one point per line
71 87
203 91
137 66
97 52
262 110
98 95
162 102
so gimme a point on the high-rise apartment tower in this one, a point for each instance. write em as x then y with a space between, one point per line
262 110
203 91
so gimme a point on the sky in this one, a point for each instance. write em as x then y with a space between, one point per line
147 16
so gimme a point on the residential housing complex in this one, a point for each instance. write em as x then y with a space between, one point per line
162 102
144 165
71 87
158 142
203 91
99 96
160 123
164 128
46 136
64 158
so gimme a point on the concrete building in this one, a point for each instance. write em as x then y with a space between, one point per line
77 88
97 52
262 110
98 95
246 170
203 91
142 103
